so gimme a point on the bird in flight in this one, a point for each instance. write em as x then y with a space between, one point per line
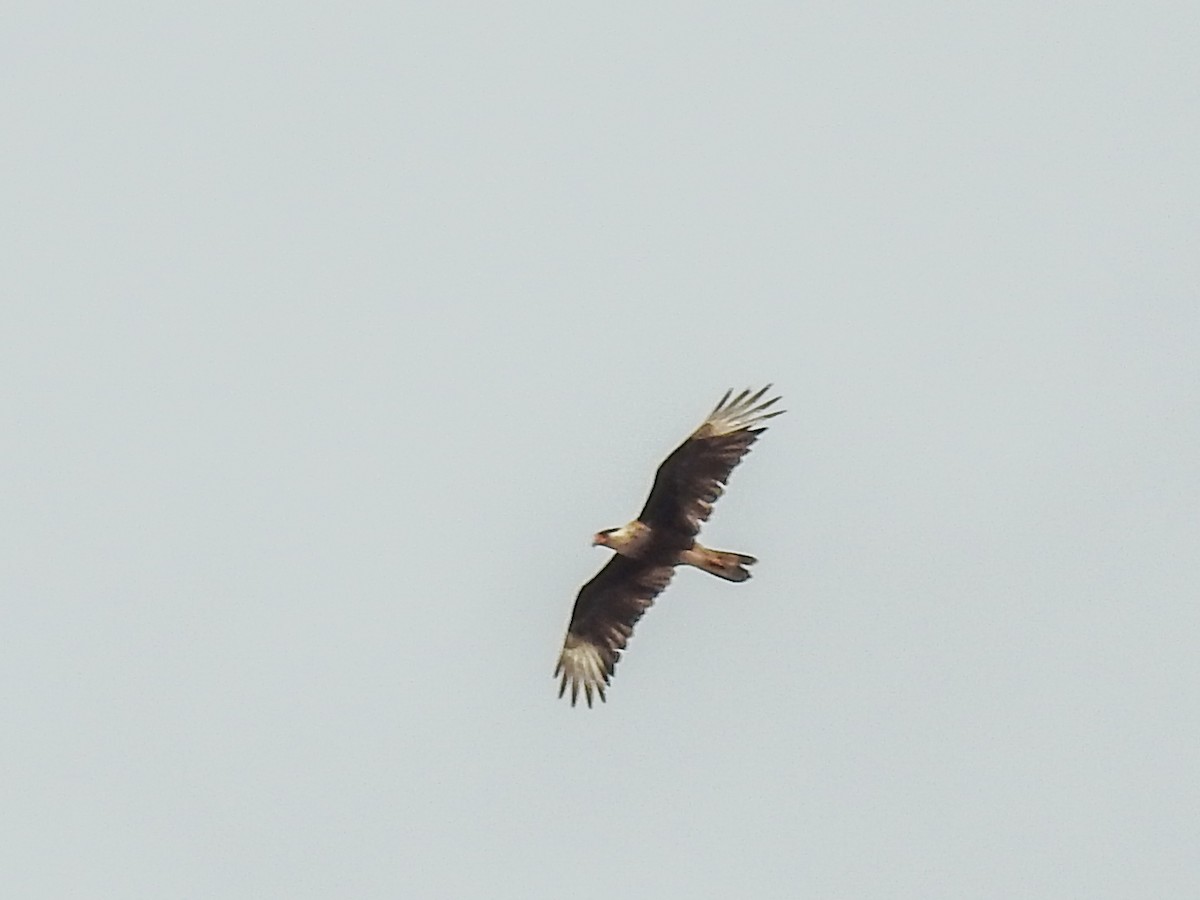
663 536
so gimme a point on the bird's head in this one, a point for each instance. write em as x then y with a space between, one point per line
600 538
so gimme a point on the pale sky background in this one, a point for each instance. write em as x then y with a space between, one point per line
333 331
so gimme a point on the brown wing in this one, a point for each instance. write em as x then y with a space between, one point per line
602 622
693 477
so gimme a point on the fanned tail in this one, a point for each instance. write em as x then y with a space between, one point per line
722 563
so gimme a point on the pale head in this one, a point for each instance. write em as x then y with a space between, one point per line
626 540
601 538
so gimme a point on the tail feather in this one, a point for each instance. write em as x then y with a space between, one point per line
722 563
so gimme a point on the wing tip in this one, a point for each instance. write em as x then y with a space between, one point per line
584 667
744 411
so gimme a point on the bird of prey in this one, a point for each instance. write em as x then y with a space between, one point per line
663 536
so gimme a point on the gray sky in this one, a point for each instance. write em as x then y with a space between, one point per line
333 332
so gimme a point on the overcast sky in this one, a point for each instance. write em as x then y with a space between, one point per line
332 332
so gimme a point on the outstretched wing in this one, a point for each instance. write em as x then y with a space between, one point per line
602 622
693 477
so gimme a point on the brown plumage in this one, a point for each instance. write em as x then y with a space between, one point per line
663 536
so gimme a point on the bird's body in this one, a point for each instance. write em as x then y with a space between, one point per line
662 537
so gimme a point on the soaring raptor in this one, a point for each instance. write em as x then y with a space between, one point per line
663 536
